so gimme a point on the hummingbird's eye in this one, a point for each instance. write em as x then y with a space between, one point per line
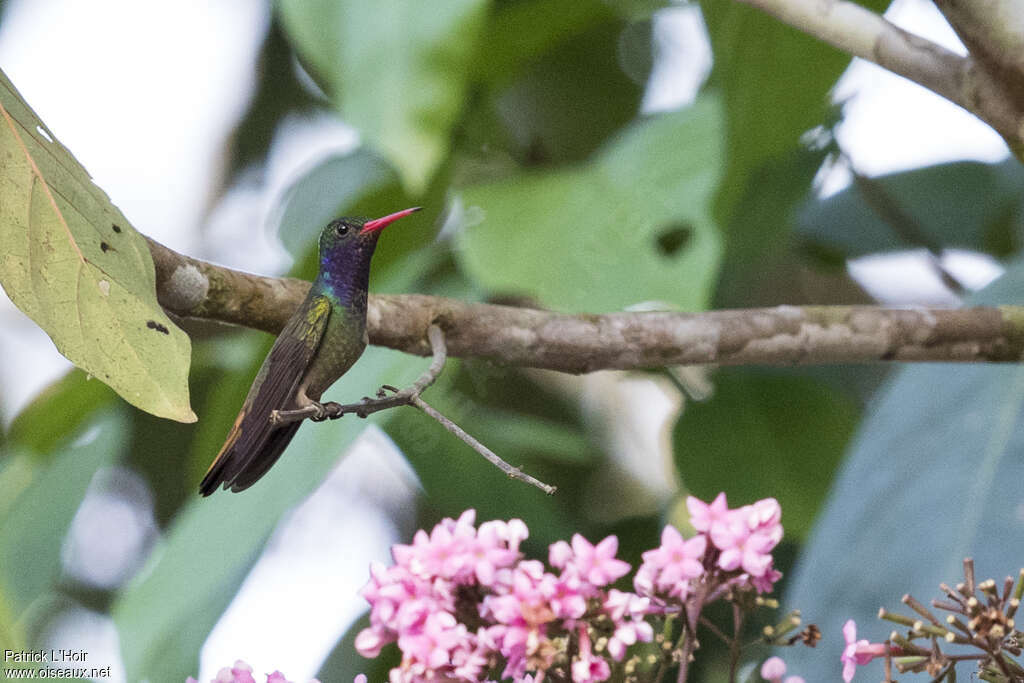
342 229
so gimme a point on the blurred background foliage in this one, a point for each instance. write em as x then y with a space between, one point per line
518 125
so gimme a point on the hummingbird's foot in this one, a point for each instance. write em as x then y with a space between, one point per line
321 411
333 410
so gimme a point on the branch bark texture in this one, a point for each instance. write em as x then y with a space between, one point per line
526 337
986 83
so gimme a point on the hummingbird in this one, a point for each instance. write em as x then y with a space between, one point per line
320 342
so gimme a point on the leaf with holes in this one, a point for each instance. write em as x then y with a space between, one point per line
644 200
72 263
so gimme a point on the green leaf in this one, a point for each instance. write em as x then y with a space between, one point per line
74 398
571 99
72 263
765 434
775 82
397 70
967 204
518 33
33 527
562 237
934 476
213 542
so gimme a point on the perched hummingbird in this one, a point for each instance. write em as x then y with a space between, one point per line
320 342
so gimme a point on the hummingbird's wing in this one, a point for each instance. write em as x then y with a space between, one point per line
253 444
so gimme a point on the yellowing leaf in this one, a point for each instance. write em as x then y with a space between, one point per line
70 261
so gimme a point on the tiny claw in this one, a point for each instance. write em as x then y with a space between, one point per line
275 417
321 413
333 410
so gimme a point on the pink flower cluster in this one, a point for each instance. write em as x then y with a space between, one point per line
242 673
461 599
735 543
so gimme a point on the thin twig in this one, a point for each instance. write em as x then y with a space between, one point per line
710 625
904 224
693 610
512 472
734 646
410 396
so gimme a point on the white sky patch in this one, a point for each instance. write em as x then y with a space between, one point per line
682 59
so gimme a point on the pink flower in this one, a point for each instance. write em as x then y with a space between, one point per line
858 652
588 668
774 669
239 673
669 566
565 595
627 612
765 582
703 516
596 564
360 678
459 576
747 538
433 643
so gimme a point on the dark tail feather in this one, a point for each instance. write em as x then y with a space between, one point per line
243 462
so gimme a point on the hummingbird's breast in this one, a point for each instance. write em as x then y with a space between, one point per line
343 342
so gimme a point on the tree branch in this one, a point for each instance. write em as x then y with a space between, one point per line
784 335
965 81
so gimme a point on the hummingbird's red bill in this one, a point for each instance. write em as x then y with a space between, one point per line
381 223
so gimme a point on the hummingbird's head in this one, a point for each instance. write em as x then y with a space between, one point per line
348 239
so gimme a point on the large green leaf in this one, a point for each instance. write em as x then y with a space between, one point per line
935 475
966 204
632 225
213 542
397 70
32 528
72 263
765 434
75 396
567 102
518 33
775 82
